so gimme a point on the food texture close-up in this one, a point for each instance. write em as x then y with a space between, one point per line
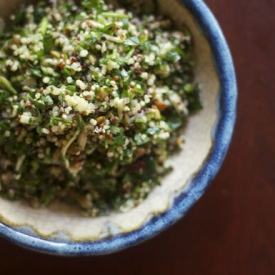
136 137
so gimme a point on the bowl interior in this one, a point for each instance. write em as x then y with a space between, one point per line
60 222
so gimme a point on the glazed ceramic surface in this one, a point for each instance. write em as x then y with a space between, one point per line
63 230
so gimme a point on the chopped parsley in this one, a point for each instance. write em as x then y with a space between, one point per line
93 100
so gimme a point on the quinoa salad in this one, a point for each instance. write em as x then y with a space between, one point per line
93 100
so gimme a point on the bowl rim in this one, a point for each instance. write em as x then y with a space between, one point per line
222 136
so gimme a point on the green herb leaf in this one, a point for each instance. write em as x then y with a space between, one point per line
38 104
44 25
6 84
119 140
193 98
109 29
124 73
172 56
189 88
90 3
48 43
114 15
182 53
153 130
150 169
4 95
141 139
115 129
132 41
174 121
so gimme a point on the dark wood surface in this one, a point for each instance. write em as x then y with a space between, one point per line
231 230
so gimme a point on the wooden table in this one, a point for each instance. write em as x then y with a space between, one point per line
231 230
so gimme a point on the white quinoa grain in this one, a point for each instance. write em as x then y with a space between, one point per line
45 131
46 79
83 53
144 75
7 133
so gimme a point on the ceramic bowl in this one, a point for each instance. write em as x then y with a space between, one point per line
61 230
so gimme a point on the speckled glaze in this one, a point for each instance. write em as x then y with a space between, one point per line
60 231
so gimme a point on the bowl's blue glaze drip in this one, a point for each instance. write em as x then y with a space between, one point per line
222 135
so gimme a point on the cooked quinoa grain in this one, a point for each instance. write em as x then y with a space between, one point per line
92 103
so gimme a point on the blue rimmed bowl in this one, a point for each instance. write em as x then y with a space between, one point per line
62 230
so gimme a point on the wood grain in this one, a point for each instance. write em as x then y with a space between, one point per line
231 229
